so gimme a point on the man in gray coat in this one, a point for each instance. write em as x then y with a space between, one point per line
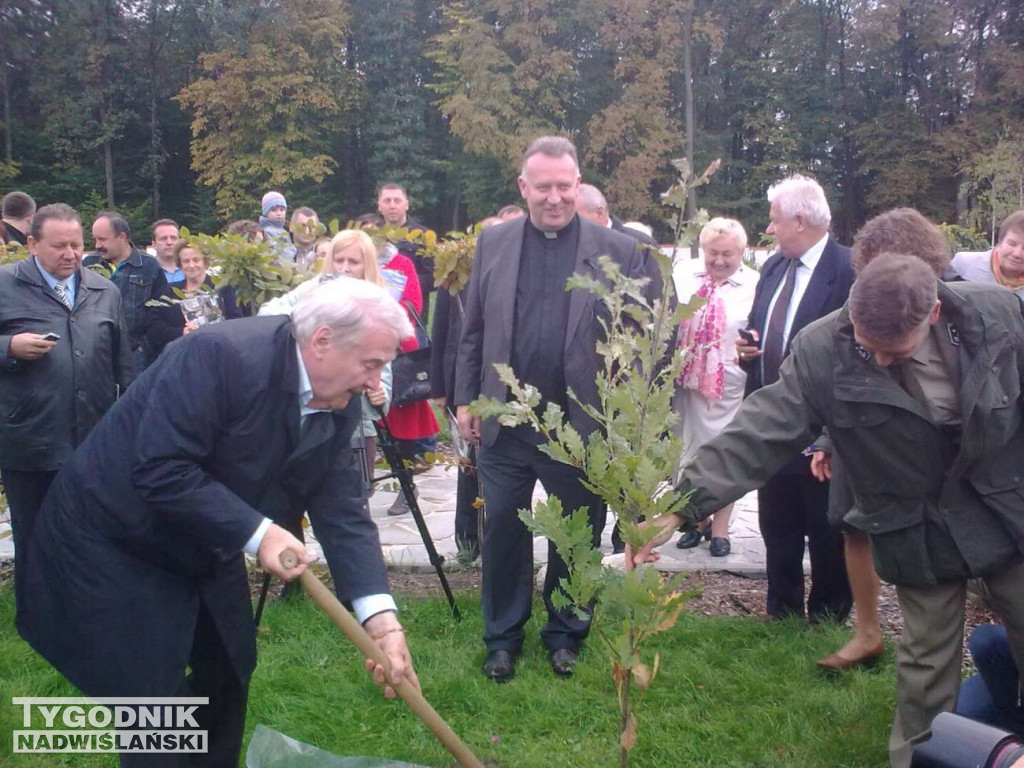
64 353
518 313
919 385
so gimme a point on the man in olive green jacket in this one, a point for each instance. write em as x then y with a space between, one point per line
919 386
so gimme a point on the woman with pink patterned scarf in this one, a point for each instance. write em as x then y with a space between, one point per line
710 388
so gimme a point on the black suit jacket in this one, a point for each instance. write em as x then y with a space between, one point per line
827 291
490 315
148 519
636 234
444 343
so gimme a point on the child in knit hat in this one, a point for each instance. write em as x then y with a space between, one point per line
275 211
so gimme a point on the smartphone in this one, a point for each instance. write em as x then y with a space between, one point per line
748 336
51 337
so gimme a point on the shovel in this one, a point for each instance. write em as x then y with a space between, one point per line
323 597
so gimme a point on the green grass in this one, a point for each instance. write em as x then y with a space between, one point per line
731 692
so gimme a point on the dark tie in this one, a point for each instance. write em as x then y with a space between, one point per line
774 335
317 429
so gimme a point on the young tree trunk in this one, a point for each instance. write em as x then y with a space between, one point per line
691 198
624 719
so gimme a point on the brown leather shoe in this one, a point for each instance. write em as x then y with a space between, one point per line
836 663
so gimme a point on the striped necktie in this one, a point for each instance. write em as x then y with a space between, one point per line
61 288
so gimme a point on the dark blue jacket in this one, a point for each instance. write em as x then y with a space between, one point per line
146 522
134 277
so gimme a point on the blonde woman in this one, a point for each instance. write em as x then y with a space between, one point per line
352 255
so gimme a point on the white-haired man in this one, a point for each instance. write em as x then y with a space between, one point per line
135 569
807 277
593 205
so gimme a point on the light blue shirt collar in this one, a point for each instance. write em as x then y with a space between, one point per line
51 281
305 389
173 275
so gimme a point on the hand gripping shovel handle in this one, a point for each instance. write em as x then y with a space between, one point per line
370 650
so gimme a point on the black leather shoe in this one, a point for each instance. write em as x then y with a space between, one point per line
562 661
689 540
720 547
500 666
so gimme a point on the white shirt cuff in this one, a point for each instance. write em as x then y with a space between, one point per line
370 605
252 546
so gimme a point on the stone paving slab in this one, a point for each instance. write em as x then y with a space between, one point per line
437 501
403 547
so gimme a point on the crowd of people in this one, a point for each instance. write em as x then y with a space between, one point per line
871 396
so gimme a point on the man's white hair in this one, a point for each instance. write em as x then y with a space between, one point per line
721 226
801 196
347 306
590 198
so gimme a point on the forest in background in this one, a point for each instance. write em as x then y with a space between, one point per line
191 109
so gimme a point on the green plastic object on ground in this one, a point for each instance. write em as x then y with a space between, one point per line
270 749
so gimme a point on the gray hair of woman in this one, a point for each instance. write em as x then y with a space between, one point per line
347 307
801 196
722 227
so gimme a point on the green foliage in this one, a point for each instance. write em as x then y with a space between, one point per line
8 173
997 181
250 267
885 103
260 105
453 259
686 231
396 117
963 238
12 252
137 216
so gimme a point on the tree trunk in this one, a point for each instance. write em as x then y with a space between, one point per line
962 199
5 83
154 148
455 211
108 170
691 198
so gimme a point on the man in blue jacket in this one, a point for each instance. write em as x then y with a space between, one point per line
135 566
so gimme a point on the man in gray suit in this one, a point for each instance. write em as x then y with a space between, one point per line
518 313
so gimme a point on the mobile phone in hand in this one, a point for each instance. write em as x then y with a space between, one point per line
748 336
51 337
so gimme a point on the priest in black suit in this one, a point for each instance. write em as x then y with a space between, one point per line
136 569
808 277
518 313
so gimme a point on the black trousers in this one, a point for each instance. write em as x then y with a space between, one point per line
790 507
25 492
509 471
213 676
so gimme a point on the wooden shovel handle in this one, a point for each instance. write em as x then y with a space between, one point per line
354 631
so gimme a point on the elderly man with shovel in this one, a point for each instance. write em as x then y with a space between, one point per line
135 570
